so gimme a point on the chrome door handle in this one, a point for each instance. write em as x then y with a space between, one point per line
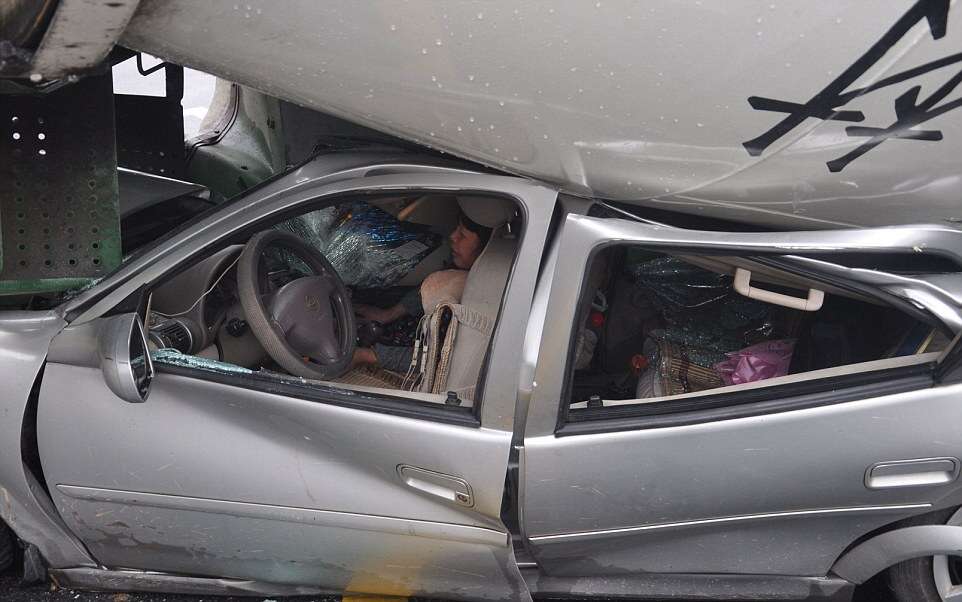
912 473
454 489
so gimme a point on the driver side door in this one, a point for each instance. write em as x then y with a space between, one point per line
289 485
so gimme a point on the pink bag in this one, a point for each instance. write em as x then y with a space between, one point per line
758 362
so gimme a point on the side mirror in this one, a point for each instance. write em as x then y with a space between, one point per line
124 357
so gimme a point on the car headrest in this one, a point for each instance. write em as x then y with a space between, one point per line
490 212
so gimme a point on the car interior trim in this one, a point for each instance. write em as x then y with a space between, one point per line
307 516
728 519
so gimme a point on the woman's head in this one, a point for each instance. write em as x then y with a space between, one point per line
467 242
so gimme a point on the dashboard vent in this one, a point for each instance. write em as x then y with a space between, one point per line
172 334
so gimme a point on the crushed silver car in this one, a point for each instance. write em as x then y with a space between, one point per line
295 355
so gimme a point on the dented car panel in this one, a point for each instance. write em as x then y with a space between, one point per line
24 505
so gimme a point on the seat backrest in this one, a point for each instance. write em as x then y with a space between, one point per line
483 291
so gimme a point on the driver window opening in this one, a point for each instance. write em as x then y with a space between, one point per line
397 296
655 328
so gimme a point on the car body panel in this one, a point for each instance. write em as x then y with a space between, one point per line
679 105
780 492
215 480
24 506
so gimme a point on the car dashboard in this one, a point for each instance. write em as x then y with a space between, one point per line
198 312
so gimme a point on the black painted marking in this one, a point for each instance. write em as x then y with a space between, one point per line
908 114
827 104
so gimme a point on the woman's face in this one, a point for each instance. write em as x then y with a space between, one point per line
465 247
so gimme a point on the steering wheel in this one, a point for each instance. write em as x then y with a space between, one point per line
306 325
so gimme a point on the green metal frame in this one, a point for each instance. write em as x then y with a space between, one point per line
59 206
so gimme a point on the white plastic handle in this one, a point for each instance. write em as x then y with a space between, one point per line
743 279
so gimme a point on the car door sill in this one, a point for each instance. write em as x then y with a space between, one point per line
642 587
655 586
124 580
306 516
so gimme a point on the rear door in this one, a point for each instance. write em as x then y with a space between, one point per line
289 485
769 481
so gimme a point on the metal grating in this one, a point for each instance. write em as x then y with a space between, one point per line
59 213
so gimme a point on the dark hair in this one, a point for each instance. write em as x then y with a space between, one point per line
483 232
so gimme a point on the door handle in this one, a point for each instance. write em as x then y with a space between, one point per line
453 489
912 473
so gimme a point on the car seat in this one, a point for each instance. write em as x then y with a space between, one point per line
456 336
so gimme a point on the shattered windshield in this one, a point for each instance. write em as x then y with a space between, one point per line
369 247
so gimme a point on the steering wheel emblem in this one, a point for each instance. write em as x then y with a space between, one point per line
312 303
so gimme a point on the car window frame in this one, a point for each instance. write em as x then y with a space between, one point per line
383 400
735 402
544 420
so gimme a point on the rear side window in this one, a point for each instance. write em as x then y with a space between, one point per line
654 329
